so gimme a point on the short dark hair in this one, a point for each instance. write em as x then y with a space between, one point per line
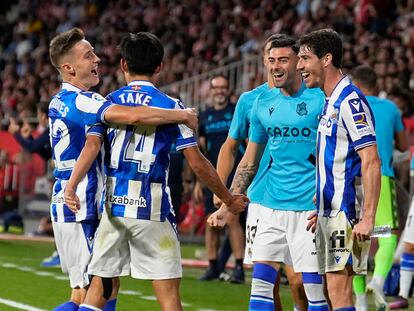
61 44
142 51
282 41
365 75
219 75
322 42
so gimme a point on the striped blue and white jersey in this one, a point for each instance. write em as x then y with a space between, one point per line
137 157
74 114
345 126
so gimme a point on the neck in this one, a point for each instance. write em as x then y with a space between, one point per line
76 83
130 78
218 106
292 89
332 77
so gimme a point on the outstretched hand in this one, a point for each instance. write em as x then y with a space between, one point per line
219 217
191 119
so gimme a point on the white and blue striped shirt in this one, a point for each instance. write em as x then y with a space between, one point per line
346 126
137 158
74 114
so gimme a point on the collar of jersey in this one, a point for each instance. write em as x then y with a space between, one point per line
142 83
70 87
338 88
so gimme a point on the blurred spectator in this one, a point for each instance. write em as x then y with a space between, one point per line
213 130
198 36
23 135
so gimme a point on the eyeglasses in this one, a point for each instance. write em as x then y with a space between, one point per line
223 87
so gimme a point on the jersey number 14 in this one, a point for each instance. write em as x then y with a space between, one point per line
135 147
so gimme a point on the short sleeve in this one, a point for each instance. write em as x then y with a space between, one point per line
98 129
398 125
92 107
184 136
258 132
358 121
239 128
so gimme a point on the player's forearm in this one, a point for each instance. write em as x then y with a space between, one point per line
371 180
84 162
208 175
226 159
144 115
244 175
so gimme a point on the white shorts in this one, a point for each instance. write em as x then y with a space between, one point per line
144 249
74 241
282 237
336 248
409 225
251 228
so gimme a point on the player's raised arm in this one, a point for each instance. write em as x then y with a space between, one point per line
206 172
144 115
226 160
247 168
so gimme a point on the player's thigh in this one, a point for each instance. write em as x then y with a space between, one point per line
409 225
387 212
252 222
302 243
270 243
155 250
111 255
74 241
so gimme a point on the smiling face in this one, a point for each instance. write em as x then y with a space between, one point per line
219 90
80 65
310 67
281 63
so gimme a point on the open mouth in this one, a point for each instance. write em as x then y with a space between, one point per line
278 75
95 72
305 75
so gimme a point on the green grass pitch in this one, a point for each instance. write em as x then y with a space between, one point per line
23 281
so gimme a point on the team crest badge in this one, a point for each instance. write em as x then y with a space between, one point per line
98 97
136 87
301 109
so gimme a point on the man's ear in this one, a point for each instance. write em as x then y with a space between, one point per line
327 59
67 68
124 65
159 69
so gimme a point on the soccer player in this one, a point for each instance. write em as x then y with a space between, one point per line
346 153
213 130
389 129
285 118
73 113
239 131
137 232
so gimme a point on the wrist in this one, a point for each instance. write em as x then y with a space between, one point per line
228 200
70 187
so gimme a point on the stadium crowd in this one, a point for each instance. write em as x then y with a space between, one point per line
198 36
